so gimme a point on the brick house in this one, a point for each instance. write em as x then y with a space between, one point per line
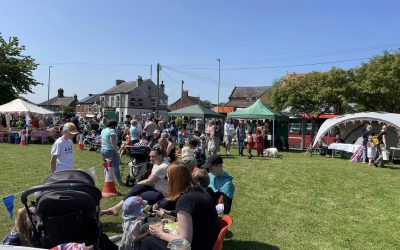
134 98
186 100
88 106
243 97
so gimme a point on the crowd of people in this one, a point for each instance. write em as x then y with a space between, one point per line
374 145
184 184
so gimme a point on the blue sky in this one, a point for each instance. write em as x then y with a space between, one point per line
92 43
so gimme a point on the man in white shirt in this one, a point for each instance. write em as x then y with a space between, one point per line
229 128
62 155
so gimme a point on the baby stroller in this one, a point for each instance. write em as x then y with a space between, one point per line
139 166
68 209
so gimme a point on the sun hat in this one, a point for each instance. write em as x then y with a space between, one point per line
133 207
188 161
70 128
212 160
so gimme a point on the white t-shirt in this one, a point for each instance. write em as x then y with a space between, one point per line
63 149
228 129
161 172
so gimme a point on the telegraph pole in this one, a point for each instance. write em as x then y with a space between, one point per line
158 88
182 93
219 80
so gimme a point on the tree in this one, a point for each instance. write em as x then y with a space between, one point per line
15 70
313 93
376 84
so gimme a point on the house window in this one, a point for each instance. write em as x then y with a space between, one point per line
153 102
136 102
112 103
102 101
254 98
118 101
123 101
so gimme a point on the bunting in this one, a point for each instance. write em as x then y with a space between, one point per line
9 203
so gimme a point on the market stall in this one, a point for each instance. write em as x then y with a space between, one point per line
260 111
19 112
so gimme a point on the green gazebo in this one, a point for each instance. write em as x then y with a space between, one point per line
196 111
259 110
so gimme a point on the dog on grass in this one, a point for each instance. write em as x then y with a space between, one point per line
271 152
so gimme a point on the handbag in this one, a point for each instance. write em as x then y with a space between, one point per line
375 139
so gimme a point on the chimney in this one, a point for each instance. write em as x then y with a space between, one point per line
75 97
118 82
139 80
185 93
162 87
60 93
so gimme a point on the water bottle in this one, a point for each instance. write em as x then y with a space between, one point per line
179 245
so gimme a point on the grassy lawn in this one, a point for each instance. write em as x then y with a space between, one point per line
292 202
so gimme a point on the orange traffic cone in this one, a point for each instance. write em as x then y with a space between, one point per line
109 185
80 142
23 138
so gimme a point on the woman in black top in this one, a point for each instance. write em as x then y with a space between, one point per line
382 141
196 214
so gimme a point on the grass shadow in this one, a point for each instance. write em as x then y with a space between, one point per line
253 245
109 226
393 167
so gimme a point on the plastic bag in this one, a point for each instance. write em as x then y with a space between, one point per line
211 146
385 155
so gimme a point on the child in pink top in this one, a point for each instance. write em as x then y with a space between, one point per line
250 143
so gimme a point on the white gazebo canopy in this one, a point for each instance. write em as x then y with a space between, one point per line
19 105
388 118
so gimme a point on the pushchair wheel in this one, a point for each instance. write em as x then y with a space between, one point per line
130 181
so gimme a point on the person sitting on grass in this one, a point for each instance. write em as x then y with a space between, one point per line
152 189
201 178
220 182
197 151
196 214
21 234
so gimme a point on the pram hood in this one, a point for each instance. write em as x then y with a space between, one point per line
70 176
64 181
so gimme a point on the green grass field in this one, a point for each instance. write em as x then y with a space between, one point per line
291 202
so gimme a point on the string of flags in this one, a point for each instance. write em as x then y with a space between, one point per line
8 201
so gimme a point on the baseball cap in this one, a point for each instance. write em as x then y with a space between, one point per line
70 128
133 207
212 161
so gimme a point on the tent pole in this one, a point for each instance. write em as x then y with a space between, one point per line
273 132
